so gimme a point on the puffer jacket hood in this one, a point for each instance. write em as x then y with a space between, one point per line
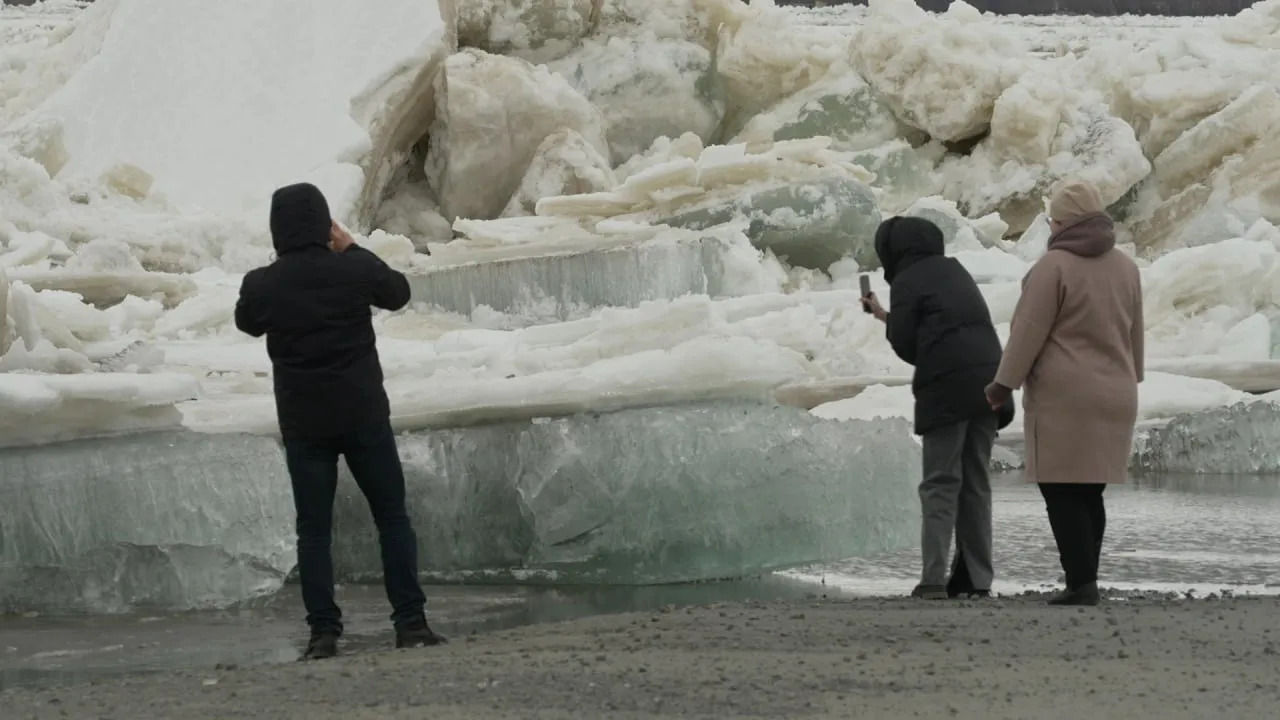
902 241
299 218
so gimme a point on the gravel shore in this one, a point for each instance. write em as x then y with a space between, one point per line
873 658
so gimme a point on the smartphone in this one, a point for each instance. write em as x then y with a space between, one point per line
864 283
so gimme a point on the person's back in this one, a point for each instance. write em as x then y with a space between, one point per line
1076 345
1096 339
939 322
1076 342
313 304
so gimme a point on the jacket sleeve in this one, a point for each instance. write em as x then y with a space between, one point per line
1137 337
900 326
1033 319
251 315
390 289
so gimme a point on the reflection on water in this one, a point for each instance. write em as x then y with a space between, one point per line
61 650
1162 531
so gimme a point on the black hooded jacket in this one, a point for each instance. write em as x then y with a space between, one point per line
938 322
313 306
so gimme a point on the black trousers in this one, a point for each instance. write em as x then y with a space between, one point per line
371 456
1079 520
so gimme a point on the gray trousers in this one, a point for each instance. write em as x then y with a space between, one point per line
955 498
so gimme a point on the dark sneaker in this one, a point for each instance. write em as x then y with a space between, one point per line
323 645
930 592
1085 595
417 634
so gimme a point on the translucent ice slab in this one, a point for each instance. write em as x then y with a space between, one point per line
179 520
810 224
841 106
901 172
161 519
563 282
643 496
1241 439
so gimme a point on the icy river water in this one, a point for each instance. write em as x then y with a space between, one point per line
1191 533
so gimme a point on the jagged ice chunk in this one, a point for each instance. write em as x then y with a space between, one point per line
809 223
647 87
1241 439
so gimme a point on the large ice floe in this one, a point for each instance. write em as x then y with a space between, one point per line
633 230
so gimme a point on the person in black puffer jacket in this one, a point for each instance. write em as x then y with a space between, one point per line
938 322
313 304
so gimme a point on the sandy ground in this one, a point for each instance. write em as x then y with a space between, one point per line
1005 658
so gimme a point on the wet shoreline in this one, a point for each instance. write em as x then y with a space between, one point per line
815 658
49 651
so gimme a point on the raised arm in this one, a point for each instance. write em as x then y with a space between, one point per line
1033 319
389 288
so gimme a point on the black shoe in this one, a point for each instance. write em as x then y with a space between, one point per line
1084 596
966 593
930 592
323 645
417 634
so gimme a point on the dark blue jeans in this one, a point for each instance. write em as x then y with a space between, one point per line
371 456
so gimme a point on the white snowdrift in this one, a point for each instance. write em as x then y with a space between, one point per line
256 108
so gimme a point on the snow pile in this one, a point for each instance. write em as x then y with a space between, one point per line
494 114
1043 131
323 110
802 200
941 74
705 174
1203 103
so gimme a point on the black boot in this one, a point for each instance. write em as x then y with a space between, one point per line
323 645
416 633
1085 595
930 592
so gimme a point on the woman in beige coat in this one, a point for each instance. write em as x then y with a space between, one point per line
1076 344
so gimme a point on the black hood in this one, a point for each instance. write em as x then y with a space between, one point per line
901 241
299 218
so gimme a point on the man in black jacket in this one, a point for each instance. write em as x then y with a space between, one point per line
938 321
313 303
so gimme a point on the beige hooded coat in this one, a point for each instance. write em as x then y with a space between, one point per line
1076 344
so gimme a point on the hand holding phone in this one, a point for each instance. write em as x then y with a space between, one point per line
864 285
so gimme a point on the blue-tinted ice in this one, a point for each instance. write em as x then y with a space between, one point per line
642 496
